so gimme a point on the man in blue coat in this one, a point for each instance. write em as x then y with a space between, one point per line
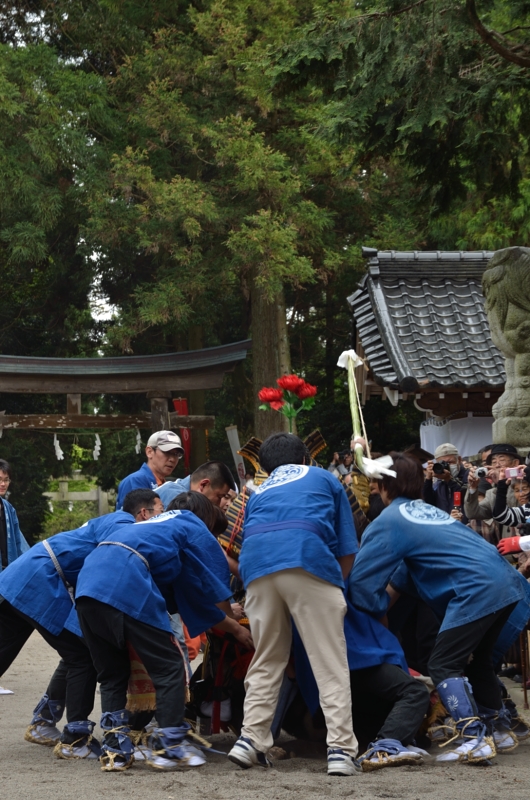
139 505
163 451
299 543
417 548
12 542
34 594
121 597
212 479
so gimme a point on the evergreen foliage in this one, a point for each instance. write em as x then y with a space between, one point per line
414 82
171 156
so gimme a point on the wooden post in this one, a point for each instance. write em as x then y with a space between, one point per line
73 403
63 488
159 410
103 502
197 403
523 646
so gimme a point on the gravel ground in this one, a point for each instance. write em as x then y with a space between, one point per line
31 772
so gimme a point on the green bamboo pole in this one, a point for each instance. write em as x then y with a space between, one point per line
356 417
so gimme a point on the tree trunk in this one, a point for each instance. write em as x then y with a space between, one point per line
197 405
270 355
330 352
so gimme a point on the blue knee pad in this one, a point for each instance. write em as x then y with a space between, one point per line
47 710
457 696
116 727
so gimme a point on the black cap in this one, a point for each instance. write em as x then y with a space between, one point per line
502 450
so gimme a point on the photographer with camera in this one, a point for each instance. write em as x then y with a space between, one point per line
518 478
451 477
342 463
501 456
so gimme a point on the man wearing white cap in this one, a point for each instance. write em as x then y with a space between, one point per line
449 480
163 452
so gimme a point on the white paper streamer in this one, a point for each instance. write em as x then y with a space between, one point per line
97 448
138 445
377 467
346 355
58 452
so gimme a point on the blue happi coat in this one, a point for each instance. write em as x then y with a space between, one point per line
422 549
16 543
299 517
143 478
515 624
32 585
171 489
184 560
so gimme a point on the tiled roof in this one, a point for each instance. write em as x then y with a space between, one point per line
421 321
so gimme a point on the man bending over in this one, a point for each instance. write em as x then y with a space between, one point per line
298 547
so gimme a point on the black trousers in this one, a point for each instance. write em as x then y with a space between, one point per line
450 656
416 627
107 632
15 630
405 700
56 689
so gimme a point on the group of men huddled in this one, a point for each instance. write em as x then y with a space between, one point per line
124 583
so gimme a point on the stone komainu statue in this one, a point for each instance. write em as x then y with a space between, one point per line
506 287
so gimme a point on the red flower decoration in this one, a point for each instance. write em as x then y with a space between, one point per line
300 396
290 382
307 390
270 395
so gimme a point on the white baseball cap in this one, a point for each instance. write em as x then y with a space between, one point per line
446 449
165 441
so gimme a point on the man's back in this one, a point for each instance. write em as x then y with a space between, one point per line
298 518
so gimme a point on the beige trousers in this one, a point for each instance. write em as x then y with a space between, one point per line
318 610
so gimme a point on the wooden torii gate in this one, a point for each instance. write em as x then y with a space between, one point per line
156 375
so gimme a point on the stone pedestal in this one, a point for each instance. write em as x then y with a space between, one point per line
513 430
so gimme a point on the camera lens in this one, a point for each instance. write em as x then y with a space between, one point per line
481 472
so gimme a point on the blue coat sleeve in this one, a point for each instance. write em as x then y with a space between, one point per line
375 564
197 614
402 581
344 525
141 479
123 489
203 582
171 489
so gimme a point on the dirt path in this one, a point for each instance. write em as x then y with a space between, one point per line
31 772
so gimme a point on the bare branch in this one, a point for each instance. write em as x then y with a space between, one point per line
519 28
491 38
